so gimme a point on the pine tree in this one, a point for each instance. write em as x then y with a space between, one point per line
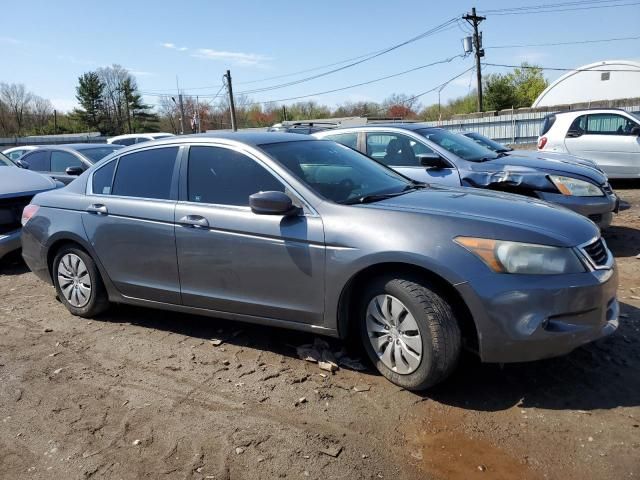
89 94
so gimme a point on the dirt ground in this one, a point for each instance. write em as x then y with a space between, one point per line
141 393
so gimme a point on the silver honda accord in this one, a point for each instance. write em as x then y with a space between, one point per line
290 231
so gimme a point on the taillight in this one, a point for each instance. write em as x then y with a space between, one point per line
28 212
542 141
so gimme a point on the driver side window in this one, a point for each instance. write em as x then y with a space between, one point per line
395 150
222 176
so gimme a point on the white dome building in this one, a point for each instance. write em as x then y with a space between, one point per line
610 80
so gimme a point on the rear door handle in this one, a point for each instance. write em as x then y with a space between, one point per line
98 208
194 221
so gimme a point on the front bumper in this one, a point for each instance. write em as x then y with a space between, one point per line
598 209
9 242
522 318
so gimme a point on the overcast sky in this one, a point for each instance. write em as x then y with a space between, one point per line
46 45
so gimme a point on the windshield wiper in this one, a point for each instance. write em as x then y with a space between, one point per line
382 196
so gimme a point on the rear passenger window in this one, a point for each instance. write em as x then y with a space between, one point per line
146 174
38 161
103 178
225 177
348 139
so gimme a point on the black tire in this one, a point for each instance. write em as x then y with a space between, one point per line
438 327
98 299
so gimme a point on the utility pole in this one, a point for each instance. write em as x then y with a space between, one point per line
284 113
475 20
55 122
181 114
232 105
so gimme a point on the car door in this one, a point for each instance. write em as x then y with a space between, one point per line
61 160
129 221
401 152
606 138
233 260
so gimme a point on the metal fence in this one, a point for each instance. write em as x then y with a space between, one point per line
518 126
89 137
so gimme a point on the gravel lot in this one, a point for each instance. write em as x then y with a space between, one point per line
144 393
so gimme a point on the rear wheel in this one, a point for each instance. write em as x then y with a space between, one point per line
409 332
78 283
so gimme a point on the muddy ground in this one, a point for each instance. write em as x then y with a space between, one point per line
144 394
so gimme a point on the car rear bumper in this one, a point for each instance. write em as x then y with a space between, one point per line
598 209
35 255
530 317
9 242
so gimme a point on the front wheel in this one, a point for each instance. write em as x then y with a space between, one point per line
409 332
78 283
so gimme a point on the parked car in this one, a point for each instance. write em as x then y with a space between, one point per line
132 138
17 187
305 128
609 137
434 155
551 156
65 162
290 231
14 153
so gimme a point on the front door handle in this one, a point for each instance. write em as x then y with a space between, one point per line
194 221
98 208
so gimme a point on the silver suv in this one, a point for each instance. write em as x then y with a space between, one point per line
609 137
290 231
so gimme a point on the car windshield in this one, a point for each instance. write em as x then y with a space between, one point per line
98 153
5 162
636 114
487 142
336 172
459 145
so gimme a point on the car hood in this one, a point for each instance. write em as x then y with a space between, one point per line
573 167
16 181
532 218
555 156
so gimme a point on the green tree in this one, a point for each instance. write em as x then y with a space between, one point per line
89 94
529 82
139 115
499 92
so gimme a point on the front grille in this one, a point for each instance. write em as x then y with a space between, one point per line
597 252
11 212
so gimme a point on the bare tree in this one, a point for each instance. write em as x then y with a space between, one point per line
41 112
16 100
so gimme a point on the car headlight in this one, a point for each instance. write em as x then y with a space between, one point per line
575 187
523 258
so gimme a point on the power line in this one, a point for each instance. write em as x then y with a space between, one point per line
446 25
441 86
551 8
579 42
533 67
363 83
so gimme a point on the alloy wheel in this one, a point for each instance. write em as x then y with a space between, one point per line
74 280
394 334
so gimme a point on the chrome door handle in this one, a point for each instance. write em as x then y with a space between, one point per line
194 221
98 208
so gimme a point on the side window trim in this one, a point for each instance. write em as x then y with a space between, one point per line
183 197
89 188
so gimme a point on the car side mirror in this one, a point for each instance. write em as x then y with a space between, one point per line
574 133
75 171
22 164
635 131
272 203
432 161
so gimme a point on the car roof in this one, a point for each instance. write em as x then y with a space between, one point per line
78 146
589 110
142 134
249 138
403 126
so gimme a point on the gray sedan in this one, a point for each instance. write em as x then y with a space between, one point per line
289 231
435 155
